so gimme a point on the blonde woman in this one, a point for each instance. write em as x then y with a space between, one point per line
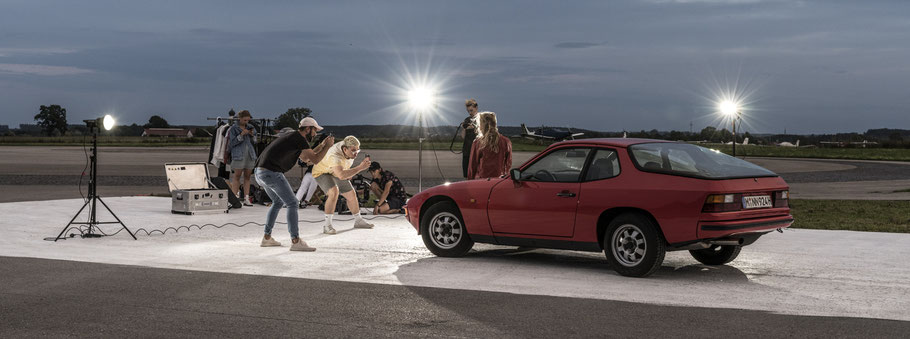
491 153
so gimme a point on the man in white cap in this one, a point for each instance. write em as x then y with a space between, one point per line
276 159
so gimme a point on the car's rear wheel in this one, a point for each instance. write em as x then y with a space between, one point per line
634 245
716 254
444 232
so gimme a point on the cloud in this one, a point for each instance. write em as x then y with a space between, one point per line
575 45
41 69
6 52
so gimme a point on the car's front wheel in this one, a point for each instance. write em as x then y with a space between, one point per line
444 232
634 246
716 254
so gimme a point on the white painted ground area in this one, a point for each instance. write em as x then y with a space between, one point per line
807 272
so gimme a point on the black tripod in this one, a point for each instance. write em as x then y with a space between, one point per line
93 197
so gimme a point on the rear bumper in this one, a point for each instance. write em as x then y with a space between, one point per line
718 229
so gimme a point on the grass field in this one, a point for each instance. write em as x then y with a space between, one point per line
852 215
893 154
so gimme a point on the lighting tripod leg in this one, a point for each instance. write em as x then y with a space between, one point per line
60 236
118 219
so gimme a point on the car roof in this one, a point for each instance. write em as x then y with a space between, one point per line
614 142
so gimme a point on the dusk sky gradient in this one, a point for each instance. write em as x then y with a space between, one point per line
807 66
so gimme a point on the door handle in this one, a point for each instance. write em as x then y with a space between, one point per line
565 194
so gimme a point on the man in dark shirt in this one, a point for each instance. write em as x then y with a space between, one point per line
386 185
470 133
279 157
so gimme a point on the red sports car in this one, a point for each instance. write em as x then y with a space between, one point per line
633 199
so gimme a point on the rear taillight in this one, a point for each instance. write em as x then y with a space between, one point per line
723 203
782 199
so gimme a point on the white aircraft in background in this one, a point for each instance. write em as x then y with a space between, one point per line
549 133
787 144
745 142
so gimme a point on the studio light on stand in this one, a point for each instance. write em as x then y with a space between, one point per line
731 110
94 126
421 100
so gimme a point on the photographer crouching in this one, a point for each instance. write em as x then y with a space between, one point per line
333 176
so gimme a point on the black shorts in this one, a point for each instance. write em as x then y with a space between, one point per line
395 203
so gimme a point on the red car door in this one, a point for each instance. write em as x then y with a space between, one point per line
544 201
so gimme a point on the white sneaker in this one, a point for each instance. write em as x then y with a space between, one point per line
302 246
362 224
328 229
270 242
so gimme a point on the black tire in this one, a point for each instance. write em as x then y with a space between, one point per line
634 245
449 237
716 254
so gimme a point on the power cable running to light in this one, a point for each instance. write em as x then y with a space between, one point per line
177 229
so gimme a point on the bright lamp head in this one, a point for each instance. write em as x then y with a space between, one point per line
108 122
421 98
728 107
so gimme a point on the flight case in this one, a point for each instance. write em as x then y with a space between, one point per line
191 189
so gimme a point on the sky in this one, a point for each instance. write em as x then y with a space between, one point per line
804 66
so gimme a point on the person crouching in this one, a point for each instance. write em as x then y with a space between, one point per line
389 189
333 176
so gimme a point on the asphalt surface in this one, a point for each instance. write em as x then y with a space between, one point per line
42 298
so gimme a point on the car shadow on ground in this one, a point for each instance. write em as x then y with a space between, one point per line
558 262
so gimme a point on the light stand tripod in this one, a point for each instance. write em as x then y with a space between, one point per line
93 197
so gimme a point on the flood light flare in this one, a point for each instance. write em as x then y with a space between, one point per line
421 98
108 122
728 107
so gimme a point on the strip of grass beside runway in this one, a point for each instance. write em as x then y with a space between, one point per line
890 154
518 145
852 215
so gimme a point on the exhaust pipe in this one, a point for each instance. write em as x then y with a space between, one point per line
726 242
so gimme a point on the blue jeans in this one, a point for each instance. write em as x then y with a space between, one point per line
282 195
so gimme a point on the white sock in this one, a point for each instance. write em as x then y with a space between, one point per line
328 219
357 217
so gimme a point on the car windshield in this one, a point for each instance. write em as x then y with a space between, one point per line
694 161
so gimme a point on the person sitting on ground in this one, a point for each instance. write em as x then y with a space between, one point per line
389 189
491 154
333 176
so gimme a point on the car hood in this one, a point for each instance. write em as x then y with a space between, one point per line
461 188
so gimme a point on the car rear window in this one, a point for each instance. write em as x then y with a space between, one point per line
693 161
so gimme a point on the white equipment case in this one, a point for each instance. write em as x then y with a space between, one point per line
191 191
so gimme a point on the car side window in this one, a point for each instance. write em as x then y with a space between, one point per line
562 165
604 165
681 161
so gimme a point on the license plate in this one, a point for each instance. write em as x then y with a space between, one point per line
757 201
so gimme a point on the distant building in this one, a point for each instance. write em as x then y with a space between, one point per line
30 128
168 132
4 128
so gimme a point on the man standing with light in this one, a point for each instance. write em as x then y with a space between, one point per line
470 133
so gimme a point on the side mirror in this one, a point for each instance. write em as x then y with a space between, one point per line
515 174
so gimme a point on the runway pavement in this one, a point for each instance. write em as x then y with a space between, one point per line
42 173
799 272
